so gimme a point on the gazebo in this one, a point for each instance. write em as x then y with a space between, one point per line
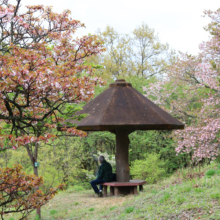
121 110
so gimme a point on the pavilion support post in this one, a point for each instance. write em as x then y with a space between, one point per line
121 157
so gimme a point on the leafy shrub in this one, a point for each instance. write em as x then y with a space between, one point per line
90 176
91 209
75 188
151 169
129 209
86 185
158 142
210 173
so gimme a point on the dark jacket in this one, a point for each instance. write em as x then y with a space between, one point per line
105 171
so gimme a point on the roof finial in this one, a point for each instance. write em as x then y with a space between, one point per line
120 83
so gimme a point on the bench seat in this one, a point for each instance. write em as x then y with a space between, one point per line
117 188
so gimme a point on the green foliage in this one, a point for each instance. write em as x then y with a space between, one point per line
139 82
75 188
140 54
159 142
129 209
60 161
210 173
151 168
91 209
99 141
78 188
86 185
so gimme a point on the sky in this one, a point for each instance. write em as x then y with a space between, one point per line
178 23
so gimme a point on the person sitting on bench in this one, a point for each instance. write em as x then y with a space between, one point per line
104 175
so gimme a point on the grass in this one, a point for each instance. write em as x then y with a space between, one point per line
129 209
215 196
180 200
53 212
112 208
185 195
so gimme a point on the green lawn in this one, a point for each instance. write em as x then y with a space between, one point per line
185 195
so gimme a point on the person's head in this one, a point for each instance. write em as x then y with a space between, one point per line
101 159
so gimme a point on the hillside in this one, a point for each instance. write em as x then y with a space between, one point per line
188 194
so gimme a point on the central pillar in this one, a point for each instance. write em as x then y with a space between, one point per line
122 156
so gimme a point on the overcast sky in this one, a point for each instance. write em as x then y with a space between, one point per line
178 23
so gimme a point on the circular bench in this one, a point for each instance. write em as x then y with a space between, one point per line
117 188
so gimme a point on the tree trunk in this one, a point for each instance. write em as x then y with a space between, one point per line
37 188
33 156
122 157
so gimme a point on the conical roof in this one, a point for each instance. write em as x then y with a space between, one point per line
122 107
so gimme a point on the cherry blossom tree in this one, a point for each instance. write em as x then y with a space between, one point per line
191 92
43 76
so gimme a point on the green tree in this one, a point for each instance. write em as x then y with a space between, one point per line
139 54
151 168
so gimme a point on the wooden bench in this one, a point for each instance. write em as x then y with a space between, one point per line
117 188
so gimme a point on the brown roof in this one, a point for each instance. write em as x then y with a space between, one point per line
122 107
